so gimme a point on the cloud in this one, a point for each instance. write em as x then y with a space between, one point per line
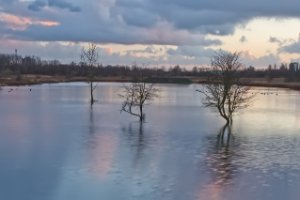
149 13
8 1
191 51
274 40
173 22
186 56
163 34
148 50
20 23
39 4
189 55
291 48
143 22
67 52
259 62
214 17
153 55
54 50
193 26
243 39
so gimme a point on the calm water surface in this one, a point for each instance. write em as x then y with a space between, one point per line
54 146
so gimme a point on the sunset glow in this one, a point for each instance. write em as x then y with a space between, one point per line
169 33
15 22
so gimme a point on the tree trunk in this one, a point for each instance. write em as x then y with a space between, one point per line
141 113
227 120
91 91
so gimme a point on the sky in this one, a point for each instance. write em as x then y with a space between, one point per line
153 32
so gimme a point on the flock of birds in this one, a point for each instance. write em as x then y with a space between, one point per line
11 89
268 93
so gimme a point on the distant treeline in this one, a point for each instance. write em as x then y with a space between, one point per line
17 65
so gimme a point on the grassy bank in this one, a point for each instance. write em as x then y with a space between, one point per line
13 80
39 79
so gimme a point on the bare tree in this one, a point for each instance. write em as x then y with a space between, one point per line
136 95
223 90
89 58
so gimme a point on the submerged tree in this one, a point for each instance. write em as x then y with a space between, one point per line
224 91
136 95
89 58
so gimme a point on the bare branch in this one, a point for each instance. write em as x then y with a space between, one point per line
223 91
89 58
135 96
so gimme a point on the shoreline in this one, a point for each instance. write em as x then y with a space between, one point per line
12 80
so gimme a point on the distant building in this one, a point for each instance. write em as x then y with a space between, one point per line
294 67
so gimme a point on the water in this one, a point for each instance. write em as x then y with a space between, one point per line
54 146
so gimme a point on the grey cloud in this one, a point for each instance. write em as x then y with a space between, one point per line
139 18
274 40
259 62
151 49
182 55
7 1
173 22
50 51
148 50
189 55
159 35
71 52
224 29
191 51
282 43
39 4
206 16
291 48
202 21
64 5
243 39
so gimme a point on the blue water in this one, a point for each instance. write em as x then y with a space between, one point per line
54 146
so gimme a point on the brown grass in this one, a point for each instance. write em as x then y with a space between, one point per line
39 79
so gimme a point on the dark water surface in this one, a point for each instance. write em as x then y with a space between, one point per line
54 146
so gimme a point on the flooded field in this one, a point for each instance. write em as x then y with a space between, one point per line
54 146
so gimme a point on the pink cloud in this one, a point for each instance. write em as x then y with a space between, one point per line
22 23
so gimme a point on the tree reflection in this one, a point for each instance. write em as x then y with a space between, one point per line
137 139
219 164
101 146
225 134
222 162
91 139
91 121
